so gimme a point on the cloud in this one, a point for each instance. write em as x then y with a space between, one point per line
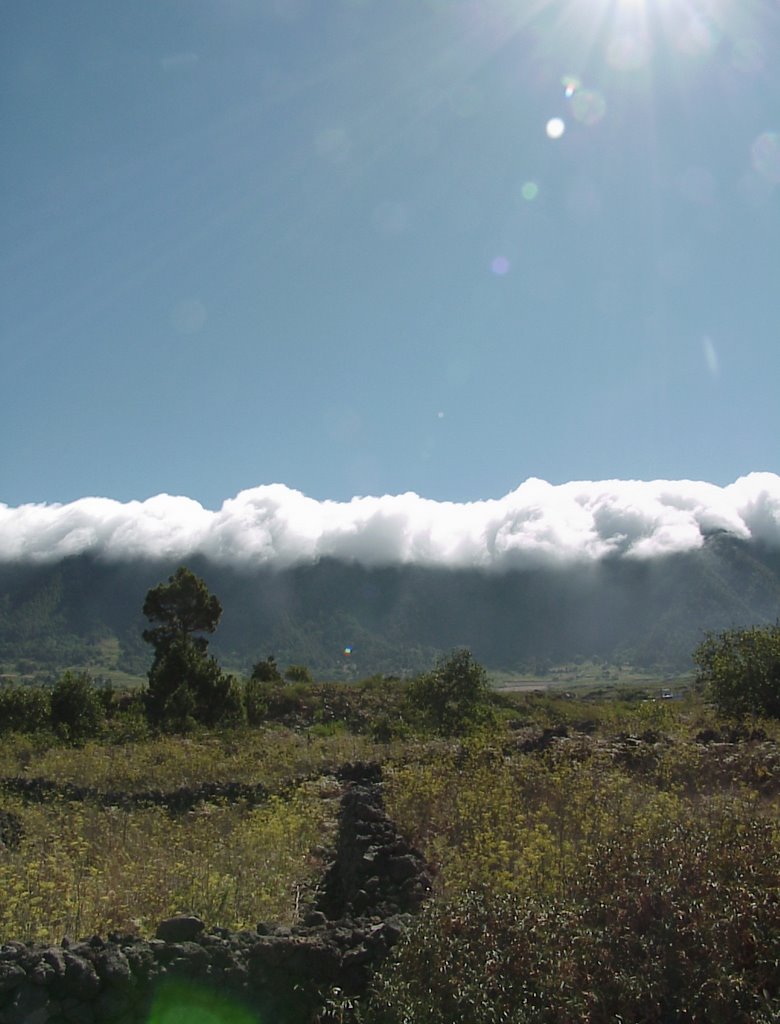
536 524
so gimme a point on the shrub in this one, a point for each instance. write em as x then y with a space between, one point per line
77 711
741 670
684 928
298 674
23 709
452 698
266 671
255 700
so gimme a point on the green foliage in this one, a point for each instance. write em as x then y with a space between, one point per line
255 700
298 674
615 866
77 709
684 931
185 684
233 711
83 869
266 671
24 709
741 670
453 697
575 885
183 608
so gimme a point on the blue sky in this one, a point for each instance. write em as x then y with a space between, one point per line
335 244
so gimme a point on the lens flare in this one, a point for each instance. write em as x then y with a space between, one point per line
570 85
765 154
178 1003
588 106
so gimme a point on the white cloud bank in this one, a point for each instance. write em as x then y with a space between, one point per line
539 523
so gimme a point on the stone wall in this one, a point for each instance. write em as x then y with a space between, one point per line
374 884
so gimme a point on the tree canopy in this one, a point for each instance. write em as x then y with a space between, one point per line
182 608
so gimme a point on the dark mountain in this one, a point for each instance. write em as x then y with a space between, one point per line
652 613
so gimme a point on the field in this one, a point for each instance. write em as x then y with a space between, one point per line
598 854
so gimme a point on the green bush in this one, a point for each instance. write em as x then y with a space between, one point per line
24 709
255 700
684 929
740 669
266 671
453 697
77 711
233 710
298 674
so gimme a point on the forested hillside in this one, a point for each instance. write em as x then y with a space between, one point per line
396 619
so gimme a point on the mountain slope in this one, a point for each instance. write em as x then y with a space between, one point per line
397 618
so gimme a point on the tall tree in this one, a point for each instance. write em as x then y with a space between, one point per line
185 683
183 609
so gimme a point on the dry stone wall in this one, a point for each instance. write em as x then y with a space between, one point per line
371 889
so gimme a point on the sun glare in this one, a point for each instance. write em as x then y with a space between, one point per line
632 32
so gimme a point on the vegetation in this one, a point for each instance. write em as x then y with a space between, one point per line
185 684
84 869
298 674
741 670
76 708
266 671
599 854
452 697
595 880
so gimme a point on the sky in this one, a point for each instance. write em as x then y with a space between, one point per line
387 247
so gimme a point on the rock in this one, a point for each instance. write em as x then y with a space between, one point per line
12 950
81 978
109 1005
11 975
237 975
42 973
404 867
77 1012
356 957
392 931
182 928
375 879
55 958
113 967
315 919
30 1004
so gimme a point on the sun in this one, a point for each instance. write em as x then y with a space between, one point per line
633 29
693 24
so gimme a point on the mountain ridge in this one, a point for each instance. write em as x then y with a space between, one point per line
395 619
